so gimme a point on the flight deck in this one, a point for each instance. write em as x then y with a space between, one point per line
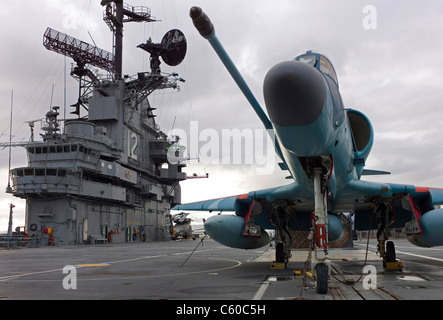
168 271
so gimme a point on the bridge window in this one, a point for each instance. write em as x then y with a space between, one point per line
64 149
18 173
38 172
51 172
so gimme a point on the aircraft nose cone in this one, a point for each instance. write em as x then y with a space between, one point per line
294 93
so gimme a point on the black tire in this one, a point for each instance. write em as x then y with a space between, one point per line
321 282
279 256
390 252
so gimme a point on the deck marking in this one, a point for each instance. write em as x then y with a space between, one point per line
92 265
412 254
14 277
420 256
261 291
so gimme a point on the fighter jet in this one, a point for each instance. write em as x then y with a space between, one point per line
324 147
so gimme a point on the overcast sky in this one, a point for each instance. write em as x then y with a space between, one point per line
391 70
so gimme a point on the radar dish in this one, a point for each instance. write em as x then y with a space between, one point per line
174 41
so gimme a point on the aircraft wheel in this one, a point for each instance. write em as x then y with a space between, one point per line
390 252
321 282
279 255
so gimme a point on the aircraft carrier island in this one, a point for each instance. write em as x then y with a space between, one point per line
111 175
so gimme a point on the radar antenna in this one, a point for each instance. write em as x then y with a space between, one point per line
82 53
172 49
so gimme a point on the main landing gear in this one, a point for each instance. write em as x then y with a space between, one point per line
385 217
281 218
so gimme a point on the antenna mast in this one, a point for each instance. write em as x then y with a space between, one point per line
8 188
115 15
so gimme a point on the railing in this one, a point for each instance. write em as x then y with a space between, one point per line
12 242
138 10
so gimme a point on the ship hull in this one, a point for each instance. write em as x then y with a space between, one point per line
69 221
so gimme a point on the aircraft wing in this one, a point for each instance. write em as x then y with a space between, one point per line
220 204
358 189
412 207
357 195
254 214
236 202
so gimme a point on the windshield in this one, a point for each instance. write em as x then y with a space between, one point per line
327 68
308 59
319 62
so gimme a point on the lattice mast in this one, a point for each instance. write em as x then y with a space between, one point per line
117 13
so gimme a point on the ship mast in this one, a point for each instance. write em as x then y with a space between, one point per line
118 38
8 188
115 15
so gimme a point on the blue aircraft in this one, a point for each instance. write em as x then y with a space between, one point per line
324 147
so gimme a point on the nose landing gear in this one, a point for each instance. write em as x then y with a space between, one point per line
320 266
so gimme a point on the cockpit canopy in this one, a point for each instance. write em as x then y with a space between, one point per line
320 62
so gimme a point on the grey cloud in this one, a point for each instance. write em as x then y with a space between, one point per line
392 74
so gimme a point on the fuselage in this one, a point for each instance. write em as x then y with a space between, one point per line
311 125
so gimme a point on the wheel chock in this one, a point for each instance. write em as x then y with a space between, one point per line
397 265
278 265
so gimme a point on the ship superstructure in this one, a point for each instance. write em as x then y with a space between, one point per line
112 175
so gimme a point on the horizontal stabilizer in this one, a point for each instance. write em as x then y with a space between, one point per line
368 172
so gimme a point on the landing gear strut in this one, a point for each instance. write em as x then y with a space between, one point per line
320 266
383 214
386 249
281 219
